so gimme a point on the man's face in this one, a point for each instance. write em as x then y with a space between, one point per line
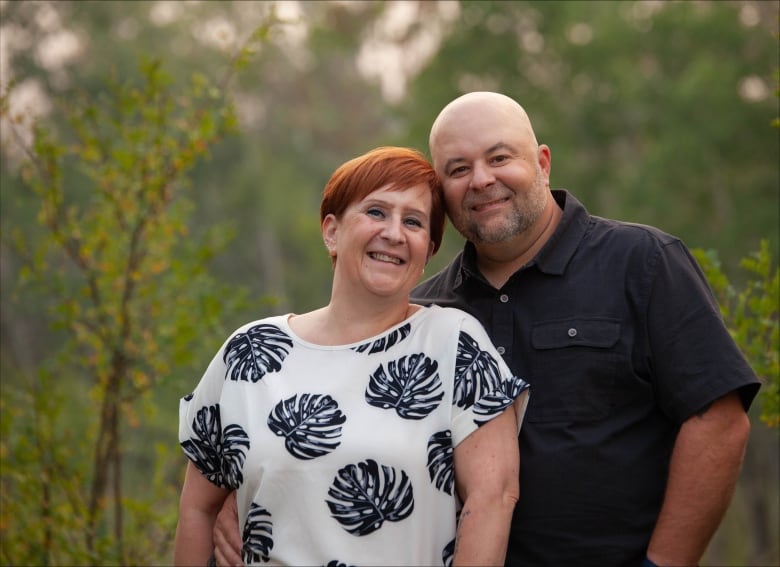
495 177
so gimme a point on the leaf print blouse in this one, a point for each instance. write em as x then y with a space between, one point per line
342 455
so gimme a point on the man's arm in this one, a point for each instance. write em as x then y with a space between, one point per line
487 471
227 539
705 464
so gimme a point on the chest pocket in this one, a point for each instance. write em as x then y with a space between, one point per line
574 369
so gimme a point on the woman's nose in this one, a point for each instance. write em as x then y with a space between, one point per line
393 230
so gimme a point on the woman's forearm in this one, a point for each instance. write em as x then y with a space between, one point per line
194 543
198 507
483 531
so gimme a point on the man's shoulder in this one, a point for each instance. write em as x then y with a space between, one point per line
440 288
626 234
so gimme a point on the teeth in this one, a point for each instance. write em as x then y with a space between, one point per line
385 258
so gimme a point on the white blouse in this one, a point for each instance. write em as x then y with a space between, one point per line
343 455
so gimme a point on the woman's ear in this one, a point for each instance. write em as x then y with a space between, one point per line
329 231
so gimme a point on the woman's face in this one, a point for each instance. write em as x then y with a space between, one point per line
383 241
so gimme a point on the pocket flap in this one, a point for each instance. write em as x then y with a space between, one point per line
598 333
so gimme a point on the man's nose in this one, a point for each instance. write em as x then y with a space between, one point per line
482 176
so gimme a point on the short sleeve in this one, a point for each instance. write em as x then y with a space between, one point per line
696 360
484 386
201 432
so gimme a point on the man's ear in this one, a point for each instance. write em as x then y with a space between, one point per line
545 159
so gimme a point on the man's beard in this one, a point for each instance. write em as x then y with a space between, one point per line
522 216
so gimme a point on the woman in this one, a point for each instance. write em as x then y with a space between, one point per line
354 432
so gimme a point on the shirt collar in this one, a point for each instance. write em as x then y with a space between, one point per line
558 251
555 254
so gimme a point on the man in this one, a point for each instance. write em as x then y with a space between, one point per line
636 426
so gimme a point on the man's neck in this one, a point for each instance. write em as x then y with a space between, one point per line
497 262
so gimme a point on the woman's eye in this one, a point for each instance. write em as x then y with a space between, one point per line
375 213
414 222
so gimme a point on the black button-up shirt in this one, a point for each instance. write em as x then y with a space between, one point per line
615 328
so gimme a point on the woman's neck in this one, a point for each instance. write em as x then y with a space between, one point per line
347 322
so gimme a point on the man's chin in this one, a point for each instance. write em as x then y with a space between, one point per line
492 234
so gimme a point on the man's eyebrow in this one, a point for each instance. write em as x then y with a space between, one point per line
452 161
500 146
495 147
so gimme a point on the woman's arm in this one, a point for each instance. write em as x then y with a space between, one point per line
198 506
487 477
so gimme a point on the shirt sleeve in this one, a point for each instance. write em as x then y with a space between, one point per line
694 358
200 423
484 386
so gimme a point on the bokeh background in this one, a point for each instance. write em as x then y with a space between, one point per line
162 165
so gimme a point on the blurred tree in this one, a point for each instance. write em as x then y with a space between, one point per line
656 112
753 317
128 285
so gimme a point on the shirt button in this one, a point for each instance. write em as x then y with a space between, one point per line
572 332
501 350
503 298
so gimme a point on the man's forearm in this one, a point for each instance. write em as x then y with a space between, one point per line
703 472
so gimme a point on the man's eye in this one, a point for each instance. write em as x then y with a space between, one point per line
499 159
455 172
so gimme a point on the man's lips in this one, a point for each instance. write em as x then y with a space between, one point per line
486 206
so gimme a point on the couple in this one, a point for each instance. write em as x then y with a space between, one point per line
633 437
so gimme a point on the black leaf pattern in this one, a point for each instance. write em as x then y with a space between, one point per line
475 371
258 535
336 563
364 496
440 465
251 355
411 386
384 344
448 554
498 400
235 443
218 455
310 425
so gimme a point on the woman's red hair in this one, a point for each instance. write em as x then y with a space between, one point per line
396 167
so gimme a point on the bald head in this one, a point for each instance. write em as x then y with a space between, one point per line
480 110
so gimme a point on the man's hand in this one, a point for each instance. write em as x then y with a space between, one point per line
227 539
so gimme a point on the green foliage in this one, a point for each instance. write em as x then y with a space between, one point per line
639 101
127 284
753 318
643 105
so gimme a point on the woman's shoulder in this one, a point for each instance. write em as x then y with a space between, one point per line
452 316
279 321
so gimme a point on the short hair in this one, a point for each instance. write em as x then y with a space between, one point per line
396 167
